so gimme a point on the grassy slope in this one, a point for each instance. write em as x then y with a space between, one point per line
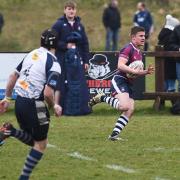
25 20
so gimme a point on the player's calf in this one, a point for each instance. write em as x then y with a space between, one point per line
119 126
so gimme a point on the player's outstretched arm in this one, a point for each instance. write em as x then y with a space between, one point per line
149 70
51 100
4 104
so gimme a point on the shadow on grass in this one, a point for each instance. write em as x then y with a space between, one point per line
140 110
104 112
151 111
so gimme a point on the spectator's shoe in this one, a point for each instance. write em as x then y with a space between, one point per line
114 136
5 132
1 143
96 99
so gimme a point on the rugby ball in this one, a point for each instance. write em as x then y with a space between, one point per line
135 65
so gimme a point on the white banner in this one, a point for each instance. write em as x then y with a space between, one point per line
8 62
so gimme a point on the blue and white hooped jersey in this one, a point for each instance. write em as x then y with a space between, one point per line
38 68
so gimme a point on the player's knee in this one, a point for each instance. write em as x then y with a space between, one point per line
130 111
40 145
124 107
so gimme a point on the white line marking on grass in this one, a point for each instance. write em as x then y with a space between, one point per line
121 139
80 156
83 157
120 168
159 178
156 149
51 146
161 149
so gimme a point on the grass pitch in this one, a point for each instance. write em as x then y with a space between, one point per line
78 147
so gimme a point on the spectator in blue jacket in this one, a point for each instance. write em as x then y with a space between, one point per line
144 19
67 26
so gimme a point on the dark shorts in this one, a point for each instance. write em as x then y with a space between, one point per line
120 84
33 117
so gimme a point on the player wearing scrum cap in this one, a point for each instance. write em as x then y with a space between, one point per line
35 80
122 97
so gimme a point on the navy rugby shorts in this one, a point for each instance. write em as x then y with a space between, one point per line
33 117
120 84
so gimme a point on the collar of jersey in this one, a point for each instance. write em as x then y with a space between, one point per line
44 49
134 46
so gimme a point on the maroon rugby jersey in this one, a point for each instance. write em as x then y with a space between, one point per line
131 53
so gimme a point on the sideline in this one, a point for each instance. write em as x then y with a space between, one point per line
78 155
120 168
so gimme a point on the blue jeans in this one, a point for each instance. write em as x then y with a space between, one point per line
178 74
112 36
170 85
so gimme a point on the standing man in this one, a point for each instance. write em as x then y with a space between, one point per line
144 19
72 44
121 91
1 22
112 23
36 79
174 45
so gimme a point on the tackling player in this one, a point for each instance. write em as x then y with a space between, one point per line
122 98
35 80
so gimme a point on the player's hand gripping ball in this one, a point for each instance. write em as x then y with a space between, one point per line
138 65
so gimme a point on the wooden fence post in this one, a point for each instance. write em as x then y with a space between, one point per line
159 71
159 78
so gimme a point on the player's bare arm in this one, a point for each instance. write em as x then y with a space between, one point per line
4 104
140 72
122 65
49 96
57 107
11 83
149 70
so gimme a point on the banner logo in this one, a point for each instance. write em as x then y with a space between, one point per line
99 66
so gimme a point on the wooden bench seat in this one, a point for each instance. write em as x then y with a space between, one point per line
160 98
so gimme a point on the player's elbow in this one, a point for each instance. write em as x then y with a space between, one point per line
48 91
49 95
13 76
120 67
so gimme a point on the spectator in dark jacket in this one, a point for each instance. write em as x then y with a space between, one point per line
67 26
174 45
1 22
169 64
144 19
112 23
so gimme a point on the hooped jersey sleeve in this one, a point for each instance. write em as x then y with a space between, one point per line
125 52
19 67
53 71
